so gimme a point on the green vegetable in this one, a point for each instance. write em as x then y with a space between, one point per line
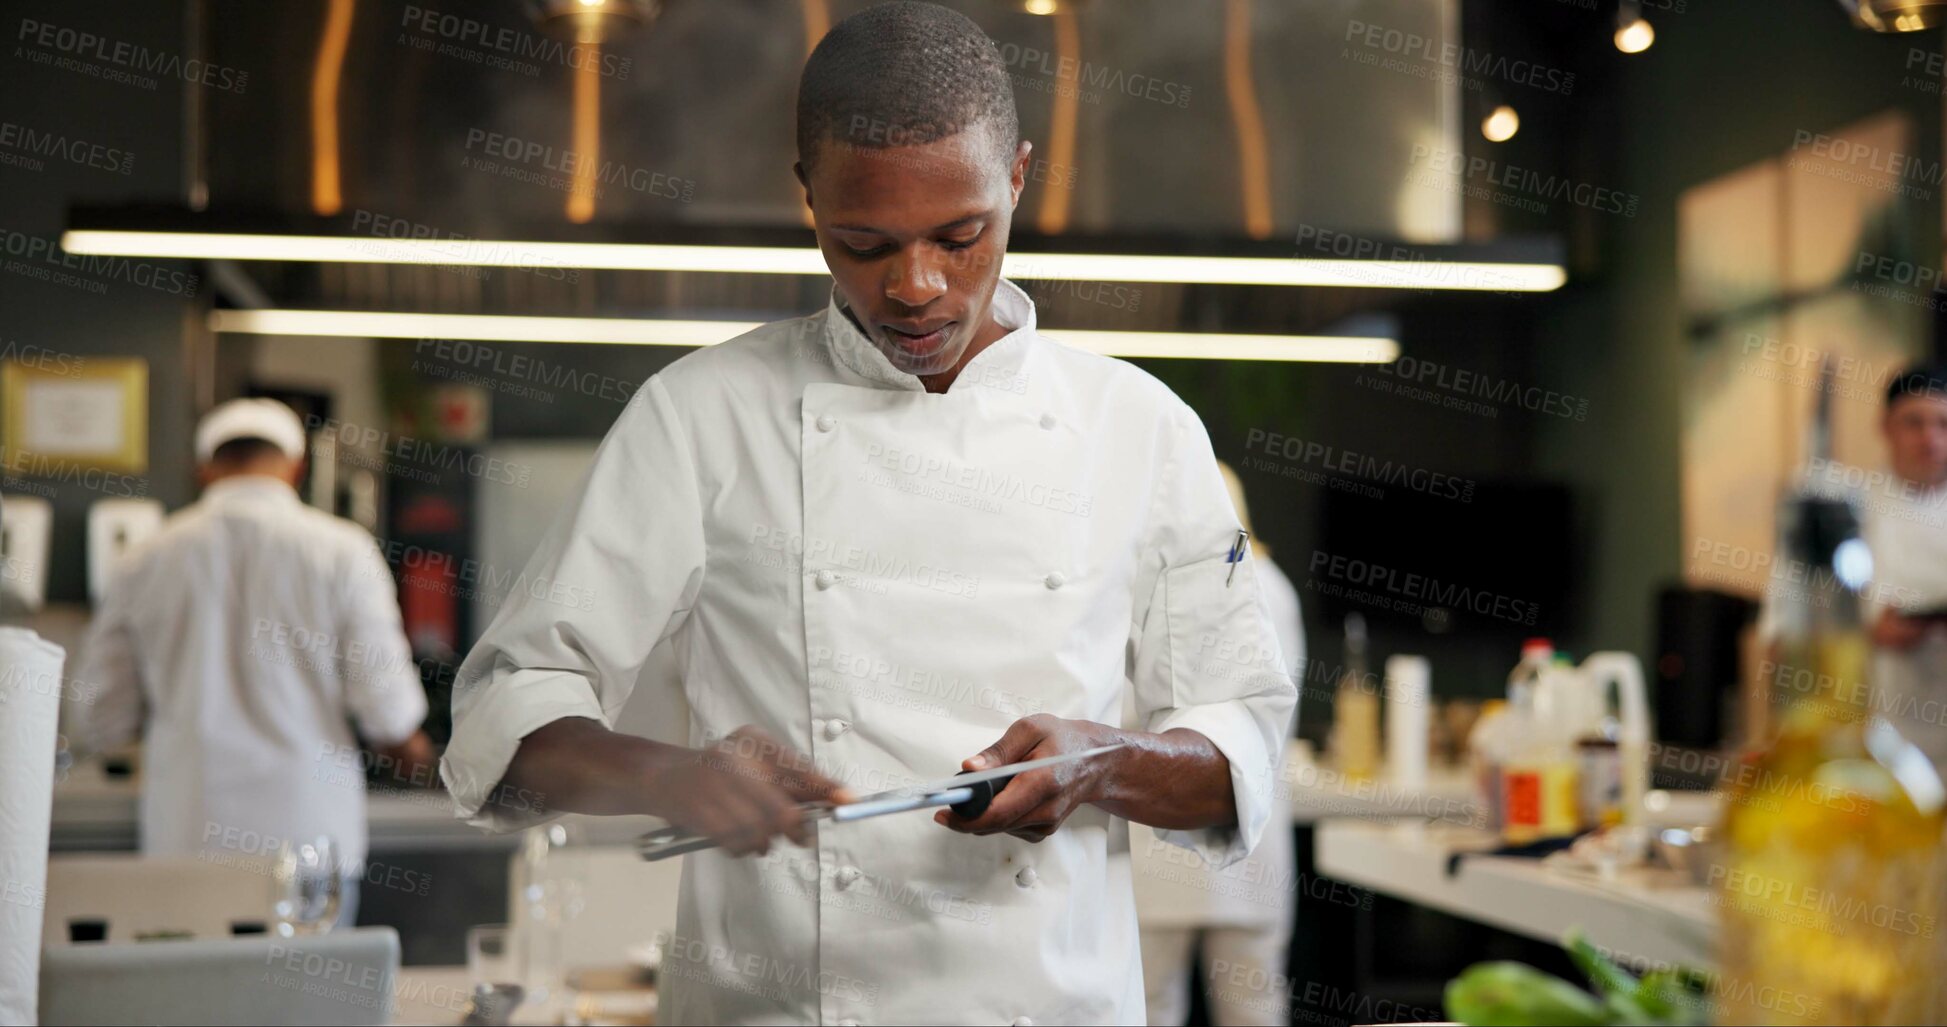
1678 996
1608 978
1509 994
1506 994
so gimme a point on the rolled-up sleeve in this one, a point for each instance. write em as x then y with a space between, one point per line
1206 653
616 573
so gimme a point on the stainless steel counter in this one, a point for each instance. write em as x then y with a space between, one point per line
94 812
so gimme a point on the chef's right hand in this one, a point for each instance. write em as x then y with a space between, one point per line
744 791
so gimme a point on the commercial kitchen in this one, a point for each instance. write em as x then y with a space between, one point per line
979 511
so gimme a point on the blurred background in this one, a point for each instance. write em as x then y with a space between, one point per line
1595 252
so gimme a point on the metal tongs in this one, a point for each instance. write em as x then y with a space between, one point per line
968 793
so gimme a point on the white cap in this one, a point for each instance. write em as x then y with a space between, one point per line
265 419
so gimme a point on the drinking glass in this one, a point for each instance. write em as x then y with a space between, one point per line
309 887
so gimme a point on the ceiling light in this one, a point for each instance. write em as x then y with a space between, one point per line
1430 273
1501 124
1897 15
659 332
1634 35
593 21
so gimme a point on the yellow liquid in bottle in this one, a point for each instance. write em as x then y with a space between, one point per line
1355 732
1828 885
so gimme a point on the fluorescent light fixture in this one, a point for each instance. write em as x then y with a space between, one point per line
656 332
1429 273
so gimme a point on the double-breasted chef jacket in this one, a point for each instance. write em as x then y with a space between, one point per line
885 579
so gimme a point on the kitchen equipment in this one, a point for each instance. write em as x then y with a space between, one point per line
26 528
114 527
1409 716
968 794
30 706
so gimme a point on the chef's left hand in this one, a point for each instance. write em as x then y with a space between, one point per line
1034 804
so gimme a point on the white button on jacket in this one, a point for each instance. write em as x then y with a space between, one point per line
713 503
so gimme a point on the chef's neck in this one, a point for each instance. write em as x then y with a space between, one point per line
991 331
1920 477
278 468
1926 488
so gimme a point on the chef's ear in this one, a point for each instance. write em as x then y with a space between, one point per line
804 179
1017 175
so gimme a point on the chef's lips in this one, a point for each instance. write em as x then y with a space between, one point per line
920 347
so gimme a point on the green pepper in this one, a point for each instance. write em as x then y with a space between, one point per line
1509 994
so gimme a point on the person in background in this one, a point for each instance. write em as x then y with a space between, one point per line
241 642
1238 921
1906 527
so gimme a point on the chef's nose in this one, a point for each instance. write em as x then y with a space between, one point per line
916 278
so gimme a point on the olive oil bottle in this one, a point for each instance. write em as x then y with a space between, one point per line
1829 877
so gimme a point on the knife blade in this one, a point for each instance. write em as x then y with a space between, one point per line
968 794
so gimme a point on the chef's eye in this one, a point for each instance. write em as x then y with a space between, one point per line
873 252
959 244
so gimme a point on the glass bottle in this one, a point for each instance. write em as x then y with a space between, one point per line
1828 881
1355 709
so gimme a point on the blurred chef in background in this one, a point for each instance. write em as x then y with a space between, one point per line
1906 526
241 642
1237 922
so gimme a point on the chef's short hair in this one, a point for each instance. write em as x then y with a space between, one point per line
904 74
1926 380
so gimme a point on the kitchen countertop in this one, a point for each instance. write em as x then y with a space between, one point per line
97 813
1644 915
1317 791
436 995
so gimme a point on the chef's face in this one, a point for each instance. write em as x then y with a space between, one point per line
1916 438
914 237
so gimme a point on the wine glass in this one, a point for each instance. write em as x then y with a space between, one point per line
309 887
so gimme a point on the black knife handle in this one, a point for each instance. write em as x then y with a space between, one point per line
983 794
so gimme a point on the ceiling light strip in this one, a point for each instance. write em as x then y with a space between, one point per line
658 332
1413 273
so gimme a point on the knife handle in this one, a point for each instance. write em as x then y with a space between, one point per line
983 795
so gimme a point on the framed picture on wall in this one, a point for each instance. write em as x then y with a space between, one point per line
90 413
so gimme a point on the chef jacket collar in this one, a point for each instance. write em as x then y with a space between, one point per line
248 488
1005 360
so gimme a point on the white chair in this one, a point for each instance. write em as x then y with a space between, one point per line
345 977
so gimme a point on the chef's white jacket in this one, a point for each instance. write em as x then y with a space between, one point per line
1907 532
242 640
885 579
1175 888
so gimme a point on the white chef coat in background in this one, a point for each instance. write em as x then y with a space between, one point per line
240 640
1908 537
886 579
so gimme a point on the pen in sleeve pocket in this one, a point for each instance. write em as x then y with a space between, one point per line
1236 554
